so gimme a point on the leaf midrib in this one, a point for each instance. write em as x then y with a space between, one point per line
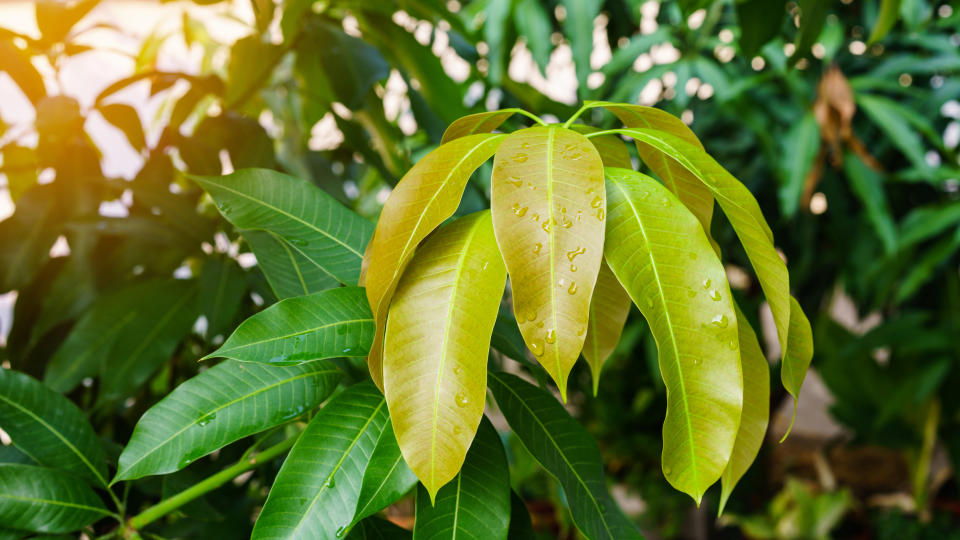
55 503
670 332
223 352
561 378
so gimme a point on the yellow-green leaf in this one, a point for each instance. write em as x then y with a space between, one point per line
548 205
680 181
484 122
612 151
756 408
798 355
744 214
609 308
661 255
438 335
426 196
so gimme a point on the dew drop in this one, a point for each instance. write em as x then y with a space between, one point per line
601 214
697 361
531 315
572 254
597 202
582 330
715 295
546 225
650 302
519 210
720 321
537 248
732 344
206 419
706 283
517 182
666 470
536 217
457 370
565 223
536 347
563 209
665 202
520 158
331 480
457 430
540 324
551 336
573 287
643 195
693 256
340 531
461 399
573 267
524 145
579 215
691 293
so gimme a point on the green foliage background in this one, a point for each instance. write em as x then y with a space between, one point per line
109 327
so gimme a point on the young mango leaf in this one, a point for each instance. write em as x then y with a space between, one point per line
313 223
691 192
477 503
548 206
327 324
664 260
151 337
317 488
45 500
756 408
744 214
222 285
437 339
798 356
223 404
609 308
288 271
50 428
485 122
565 449
386 479
426 196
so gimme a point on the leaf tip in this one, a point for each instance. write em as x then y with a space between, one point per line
793 418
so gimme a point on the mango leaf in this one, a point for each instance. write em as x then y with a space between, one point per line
477 503
218 406
49 428
317 488
813 14
494 34
565 449
506 336
867 185
46 500
613 152
374 528
27 235
798 356
609 308
125 118
521 526
548 215
437 339
889 13
351 65
578 27
16 63
744 214
799 149
327 324
386 479
426 196
886 114
756 408
691 192
288 271
485 122
535 25
664 260
150 338
759 22
251 62
927 221
222 285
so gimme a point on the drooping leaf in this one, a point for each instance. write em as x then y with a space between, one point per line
756 408
49 428
314 224
799 149
798 355
317 488
16 63
548 214
220 405
664 260
125 118
386 479
565 449
609 308
744 214
889 13
287 270
435 352
46 500
222 285
578 27
427 195
150 338
476 504
327 324
867 185
472 124
678 180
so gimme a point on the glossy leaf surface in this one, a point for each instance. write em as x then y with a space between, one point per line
548 206
437 339
476 504
756 408
46 500
426 196
316 490
387 477
218 406
609 308
312 222
565 449
287 270
327 324
681 289
799 351
49 428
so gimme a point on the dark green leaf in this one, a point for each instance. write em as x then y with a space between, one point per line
867 184
374 528
799 149
27 235
760 21
287 270
386 479
521 527
889 13
349 65
46 500
222 285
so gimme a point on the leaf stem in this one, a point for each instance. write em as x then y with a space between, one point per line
168 505
581 110
531 116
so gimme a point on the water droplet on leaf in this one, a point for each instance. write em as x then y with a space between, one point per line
597 202
536 347
706 283
573 287
551 336
520 158
461 399
715 295
537 248
720 321
572 254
